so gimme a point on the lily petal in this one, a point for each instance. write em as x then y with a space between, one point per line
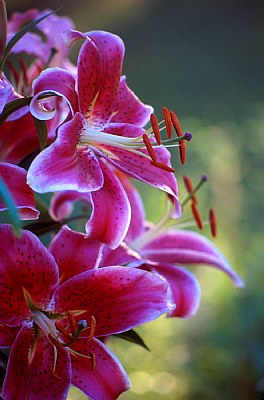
18 138
107 380
124 129
185 288
57 81
99 69
15 179
71 262
62 203
136 226
62 167
7 335
129 108
119 298
6 90
187 247
26 269
140 167
36 362
111 211
122 255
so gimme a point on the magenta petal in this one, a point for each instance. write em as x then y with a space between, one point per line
71 262
129 108
123 129
15 179
62 203
6 90
107 380
30 44
7 335
99 69
111 211
186 293
118 297
29 371
186 247
122 255
136 226
70 36
25 265
57 81
139 167
18 139
63 167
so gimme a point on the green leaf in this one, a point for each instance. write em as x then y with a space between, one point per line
13 106
133 337
20 34
42 132
12 210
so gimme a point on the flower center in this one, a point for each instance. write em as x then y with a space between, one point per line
149 141
62 335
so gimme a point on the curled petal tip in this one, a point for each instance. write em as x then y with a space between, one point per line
238 282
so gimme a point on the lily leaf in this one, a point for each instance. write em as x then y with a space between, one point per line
42 132
13 106
20 34
133 337
12 210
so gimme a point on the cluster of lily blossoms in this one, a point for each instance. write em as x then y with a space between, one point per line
78 132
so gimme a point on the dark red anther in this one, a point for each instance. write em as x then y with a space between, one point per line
196 216
92 328
155 127
176 123
168 121
62 330
163 166
72 322
182 151
189 187
57 343
213 222
149 147
93 358
182 144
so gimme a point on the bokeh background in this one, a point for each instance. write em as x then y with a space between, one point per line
204 60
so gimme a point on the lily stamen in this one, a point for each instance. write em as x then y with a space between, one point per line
149 148
191 191
155 127
168 122
213 222
177 127
196 216
72 322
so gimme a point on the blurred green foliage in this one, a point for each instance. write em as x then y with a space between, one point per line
203 59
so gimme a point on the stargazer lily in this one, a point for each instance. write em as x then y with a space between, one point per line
15 179
165 250
106 131
54 305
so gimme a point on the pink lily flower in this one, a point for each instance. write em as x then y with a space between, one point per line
53 50
50 316
107 130
15 179
165 251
